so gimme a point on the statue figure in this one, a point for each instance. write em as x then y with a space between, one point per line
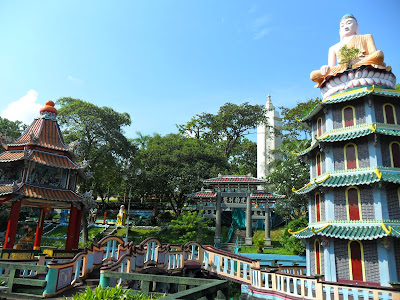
121 217
351 37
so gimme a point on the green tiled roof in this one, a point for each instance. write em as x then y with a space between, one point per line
351 232
350 95
352 177
353 132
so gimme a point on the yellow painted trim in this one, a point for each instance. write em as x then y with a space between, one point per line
391 152
315 205
296 232
354 116
322 180
378 174
345 158
316 164
372 89
318 230
347 201
297 119
362 259
320 118
295 191
315 254
373 127
394 113
388 230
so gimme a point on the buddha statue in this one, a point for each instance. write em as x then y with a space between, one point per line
351 37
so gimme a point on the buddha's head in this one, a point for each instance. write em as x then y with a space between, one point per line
348 26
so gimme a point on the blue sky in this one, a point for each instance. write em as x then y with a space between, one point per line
165 61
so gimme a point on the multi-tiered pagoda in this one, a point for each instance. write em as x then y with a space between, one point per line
38 170
354 192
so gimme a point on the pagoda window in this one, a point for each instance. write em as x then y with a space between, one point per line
351 156
318 208
356 261
319 126
395 154
318 164
389 114
317 251
349 116
353 203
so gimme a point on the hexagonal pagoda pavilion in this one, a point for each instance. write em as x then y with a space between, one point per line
38 170
354 190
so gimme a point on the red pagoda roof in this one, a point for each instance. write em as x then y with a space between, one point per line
43 132
11 156
40 157
266 195
235 179
53 160
45 193
203 194
6 189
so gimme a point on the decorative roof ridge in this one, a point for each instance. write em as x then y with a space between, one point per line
350 95
355 223
55 188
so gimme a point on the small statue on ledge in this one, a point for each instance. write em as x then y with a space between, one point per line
351 38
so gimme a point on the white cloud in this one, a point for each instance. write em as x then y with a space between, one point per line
74 79
259 27
25 109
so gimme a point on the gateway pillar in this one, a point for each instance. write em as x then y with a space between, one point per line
73 213
267 239
249 232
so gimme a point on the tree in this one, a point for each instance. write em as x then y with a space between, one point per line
287 173
189 226
173 166
397 87
10 130
290 242
100 140
244 158
290 171
227 127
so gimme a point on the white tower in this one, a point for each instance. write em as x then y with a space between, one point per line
267 140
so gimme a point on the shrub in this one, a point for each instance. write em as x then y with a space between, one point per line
289 241
115 293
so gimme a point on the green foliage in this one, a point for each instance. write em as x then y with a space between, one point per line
397 87
292 243
244 158
189 226
115 293
226 128
259 243
173 166
287 173
291 128
10 130
348 54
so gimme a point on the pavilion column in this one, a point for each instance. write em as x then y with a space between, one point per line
267 239
39 230
249 231
12 224
218 221
73 213
78 228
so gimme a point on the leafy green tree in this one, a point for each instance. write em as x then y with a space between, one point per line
99 136
290 242
173 166
397 87
243 159
227 127
291 127
189 226
10 130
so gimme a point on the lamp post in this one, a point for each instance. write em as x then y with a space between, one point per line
137 173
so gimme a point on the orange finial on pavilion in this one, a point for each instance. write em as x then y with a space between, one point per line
49 108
